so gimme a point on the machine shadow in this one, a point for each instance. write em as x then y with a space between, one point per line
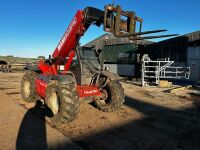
32 132
160 128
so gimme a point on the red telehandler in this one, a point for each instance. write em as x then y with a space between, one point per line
61 88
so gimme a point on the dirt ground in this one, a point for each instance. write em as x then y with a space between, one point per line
22 130
151 118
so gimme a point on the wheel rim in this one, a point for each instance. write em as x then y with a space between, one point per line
26 88
105 98
104 95
53 103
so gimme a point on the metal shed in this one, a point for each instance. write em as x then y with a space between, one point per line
184 50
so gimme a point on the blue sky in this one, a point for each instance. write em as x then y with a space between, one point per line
29 28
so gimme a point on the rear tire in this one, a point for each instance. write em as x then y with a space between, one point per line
28 87
115 97
63 102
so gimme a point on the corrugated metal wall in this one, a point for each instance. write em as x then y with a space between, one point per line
193 61
175 48
111 52
184 50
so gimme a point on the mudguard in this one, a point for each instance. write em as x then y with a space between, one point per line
68 78
109 75
63 79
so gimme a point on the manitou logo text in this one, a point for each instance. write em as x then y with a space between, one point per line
90 92
67 33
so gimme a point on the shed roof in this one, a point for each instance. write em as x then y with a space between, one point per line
110 39
190 37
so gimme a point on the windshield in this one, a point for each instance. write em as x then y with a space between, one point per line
90 59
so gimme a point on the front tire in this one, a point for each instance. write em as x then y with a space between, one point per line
28 87
63 102
115 97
